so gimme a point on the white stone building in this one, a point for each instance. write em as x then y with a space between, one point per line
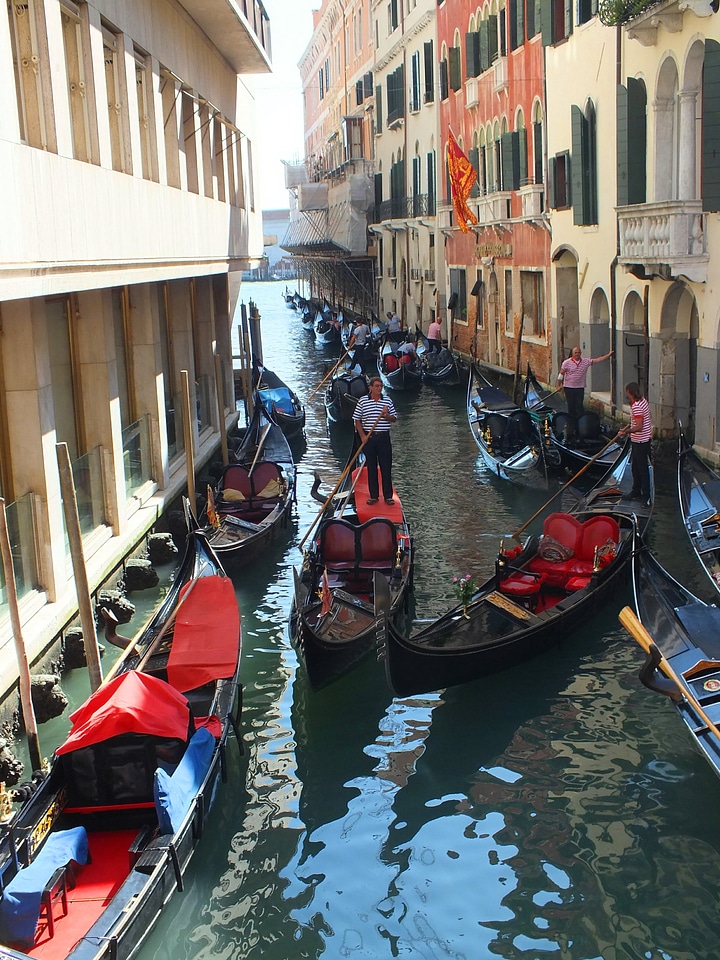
126 158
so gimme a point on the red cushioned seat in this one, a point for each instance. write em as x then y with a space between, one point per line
577 583
521 585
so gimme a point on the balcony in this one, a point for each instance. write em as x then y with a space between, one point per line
492 208
403 208
430 276
415 273
667 238
501 81
471 92
644 26
532 196
240 29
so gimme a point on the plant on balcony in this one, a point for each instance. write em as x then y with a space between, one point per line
615 12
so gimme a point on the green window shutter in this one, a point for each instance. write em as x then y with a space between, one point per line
455 74
510 151
531 26
538 152
578 177
484 34
431 183
552 197
568 11
400 89
474 158
517 23
711 127
493 37
472 54
378 189
546 22
444 88
378 109
623 146
429 72
637 141
522 156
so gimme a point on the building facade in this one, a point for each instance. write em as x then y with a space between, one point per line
126 150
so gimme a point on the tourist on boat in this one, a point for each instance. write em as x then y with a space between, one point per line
572 376
640 431
374 414
434 336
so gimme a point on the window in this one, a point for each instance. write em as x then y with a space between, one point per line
170 92
396 94
444 86
474 158
584 167
30 62
77 80
417 187
556 21
115 88
559 181
631 121
431 190
488 42
510 159
429 94
586 10
321 84
359 93
327 74
415 82
538 145
392 16
458 294
146 115
479 291
531 290
378 110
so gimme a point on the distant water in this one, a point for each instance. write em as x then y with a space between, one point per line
555 810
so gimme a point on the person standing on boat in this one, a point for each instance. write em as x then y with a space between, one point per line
434 335
572 376
358 343
373 417
640 431
394 326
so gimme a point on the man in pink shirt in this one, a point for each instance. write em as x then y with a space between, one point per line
572 376
435 336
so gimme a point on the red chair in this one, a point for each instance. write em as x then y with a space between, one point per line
377 544
337 545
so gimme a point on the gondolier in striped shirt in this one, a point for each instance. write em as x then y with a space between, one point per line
640 430
572 376
373 417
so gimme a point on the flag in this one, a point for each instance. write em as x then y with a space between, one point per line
211 511
325 595
462 177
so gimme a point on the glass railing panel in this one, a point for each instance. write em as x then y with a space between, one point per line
21 532
136 455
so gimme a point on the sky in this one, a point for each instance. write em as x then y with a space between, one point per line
279 97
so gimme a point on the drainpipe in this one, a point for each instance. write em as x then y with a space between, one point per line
614 263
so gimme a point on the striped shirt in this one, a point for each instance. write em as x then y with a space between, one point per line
367 412
640 409
575 371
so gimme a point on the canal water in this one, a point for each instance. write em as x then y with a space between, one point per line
555 810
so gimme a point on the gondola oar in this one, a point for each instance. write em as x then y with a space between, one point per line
543 399
558 492
638 632
327 376
335 489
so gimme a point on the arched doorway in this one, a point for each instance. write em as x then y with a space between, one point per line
493 321
568 309
676 362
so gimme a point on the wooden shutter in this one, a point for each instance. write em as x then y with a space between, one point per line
578 181
711 127
517 23
510 153
493 37
474 158
454 70
444 91
429 72
546 22
484 34
538 152
378 109
431 183
522 156
552 198
378 190
472 54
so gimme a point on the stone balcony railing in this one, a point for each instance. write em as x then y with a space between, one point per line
666 237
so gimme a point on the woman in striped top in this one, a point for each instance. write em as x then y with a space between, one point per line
373 416
640 430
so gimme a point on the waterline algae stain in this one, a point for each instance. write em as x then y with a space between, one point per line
554 810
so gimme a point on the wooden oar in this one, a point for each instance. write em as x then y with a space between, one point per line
327 376
638 632
335 489
558 492
261 441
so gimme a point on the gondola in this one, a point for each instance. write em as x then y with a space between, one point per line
440 368
699 496
252 501
685 662
570 443
343 392
327 329
353 582
280 402
398 371
540 590
88 862
507 437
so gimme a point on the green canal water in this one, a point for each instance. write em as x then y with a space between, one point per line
557 810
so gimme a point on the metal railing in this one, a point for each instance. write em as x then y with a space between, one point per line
403 208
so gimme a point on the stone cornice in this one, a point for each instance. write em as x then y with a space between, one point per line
424 21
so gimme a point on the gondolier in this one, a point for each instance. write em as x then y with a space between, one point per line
572 376
434 336
358 342
640 431
373 417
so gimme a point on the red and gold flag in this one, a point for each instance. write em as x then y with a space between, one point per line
462 178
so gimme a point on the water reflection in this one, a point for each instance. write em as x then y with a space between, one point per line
558 809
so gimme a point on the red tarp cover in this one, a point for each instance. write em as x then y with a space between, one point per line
206 642
130 703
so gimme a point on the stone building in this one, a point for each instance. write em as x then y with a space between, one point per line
126 151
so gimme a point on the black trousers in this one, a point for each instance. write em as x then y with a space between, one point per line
434 346
575 397
639 462
378 453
